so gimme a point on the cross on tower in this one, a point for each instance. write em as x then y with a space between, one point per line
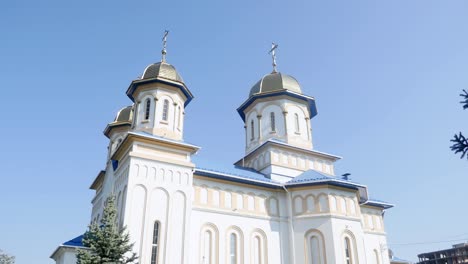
272 51
164 39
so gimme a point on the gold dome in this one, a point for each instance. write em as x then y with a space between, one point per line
124 115
275 81
162 70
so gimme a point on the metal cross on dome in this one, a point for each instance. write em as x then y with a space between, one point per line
272 51
164 51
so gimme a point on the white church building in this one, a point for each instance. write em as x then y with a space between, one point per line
281 203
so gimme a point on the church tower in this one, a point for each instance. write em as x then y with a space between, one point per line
149 168
278 133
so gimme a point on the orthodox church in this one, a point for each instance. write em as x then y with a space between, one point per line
281 203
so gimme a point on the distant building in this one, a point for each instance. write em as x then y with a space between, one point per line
457 254
395 260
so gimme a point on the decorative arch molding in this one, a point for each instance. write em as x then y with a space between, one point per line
322 203
377 256
315 247
290 108
259 247
310 203
347 235
163 92
273 206
209 244
280 106
298 202
239 246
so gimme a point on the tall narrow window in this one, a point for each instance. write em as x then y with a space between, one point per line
348 256
179 117
233 248
165 112
252 130
147 108
207 252
257 248
296 121
314 251
154 251
377 258
272 122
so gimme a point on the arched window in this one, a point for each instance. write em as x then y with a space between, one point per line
257 248
314 250
233 248
165 112
252 130
147 108
154 250
377 258
207 247
296 122
272 122
348 251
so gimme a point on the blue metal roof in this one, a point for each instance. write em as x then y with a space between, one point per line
282 143
379 203
75 242
399 260
314 177
134 85
146 134
240 175
310 101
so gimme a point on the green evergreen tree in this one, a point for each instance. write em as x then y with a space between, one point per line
460 143
6 259
105 242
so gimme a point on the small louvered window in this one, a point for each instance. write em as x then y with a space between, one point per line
165 112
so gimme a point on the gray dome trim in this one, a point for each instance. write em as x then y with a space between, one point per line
275 82
124 115
123 118
162 70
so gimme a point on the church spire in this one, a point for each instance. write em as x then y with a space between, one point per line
164 51
272 51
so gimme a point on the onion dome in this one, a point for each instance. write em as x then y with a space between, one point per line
275 82
162 70
123 118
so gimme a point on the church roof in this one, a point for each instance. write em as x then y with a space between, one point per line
75 242
240 175
379 203
313 176
396 260
283 92
275 81
162 70
278 142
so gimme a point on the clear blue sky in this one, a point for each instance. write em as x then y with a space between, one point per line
386 76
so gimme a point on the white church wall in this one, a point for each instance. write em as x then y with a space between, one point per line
376 248
159 192
65 255
255 212
267 231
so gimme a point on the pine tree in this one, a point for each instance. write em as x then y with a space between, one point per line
105 243
6 259
460 142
